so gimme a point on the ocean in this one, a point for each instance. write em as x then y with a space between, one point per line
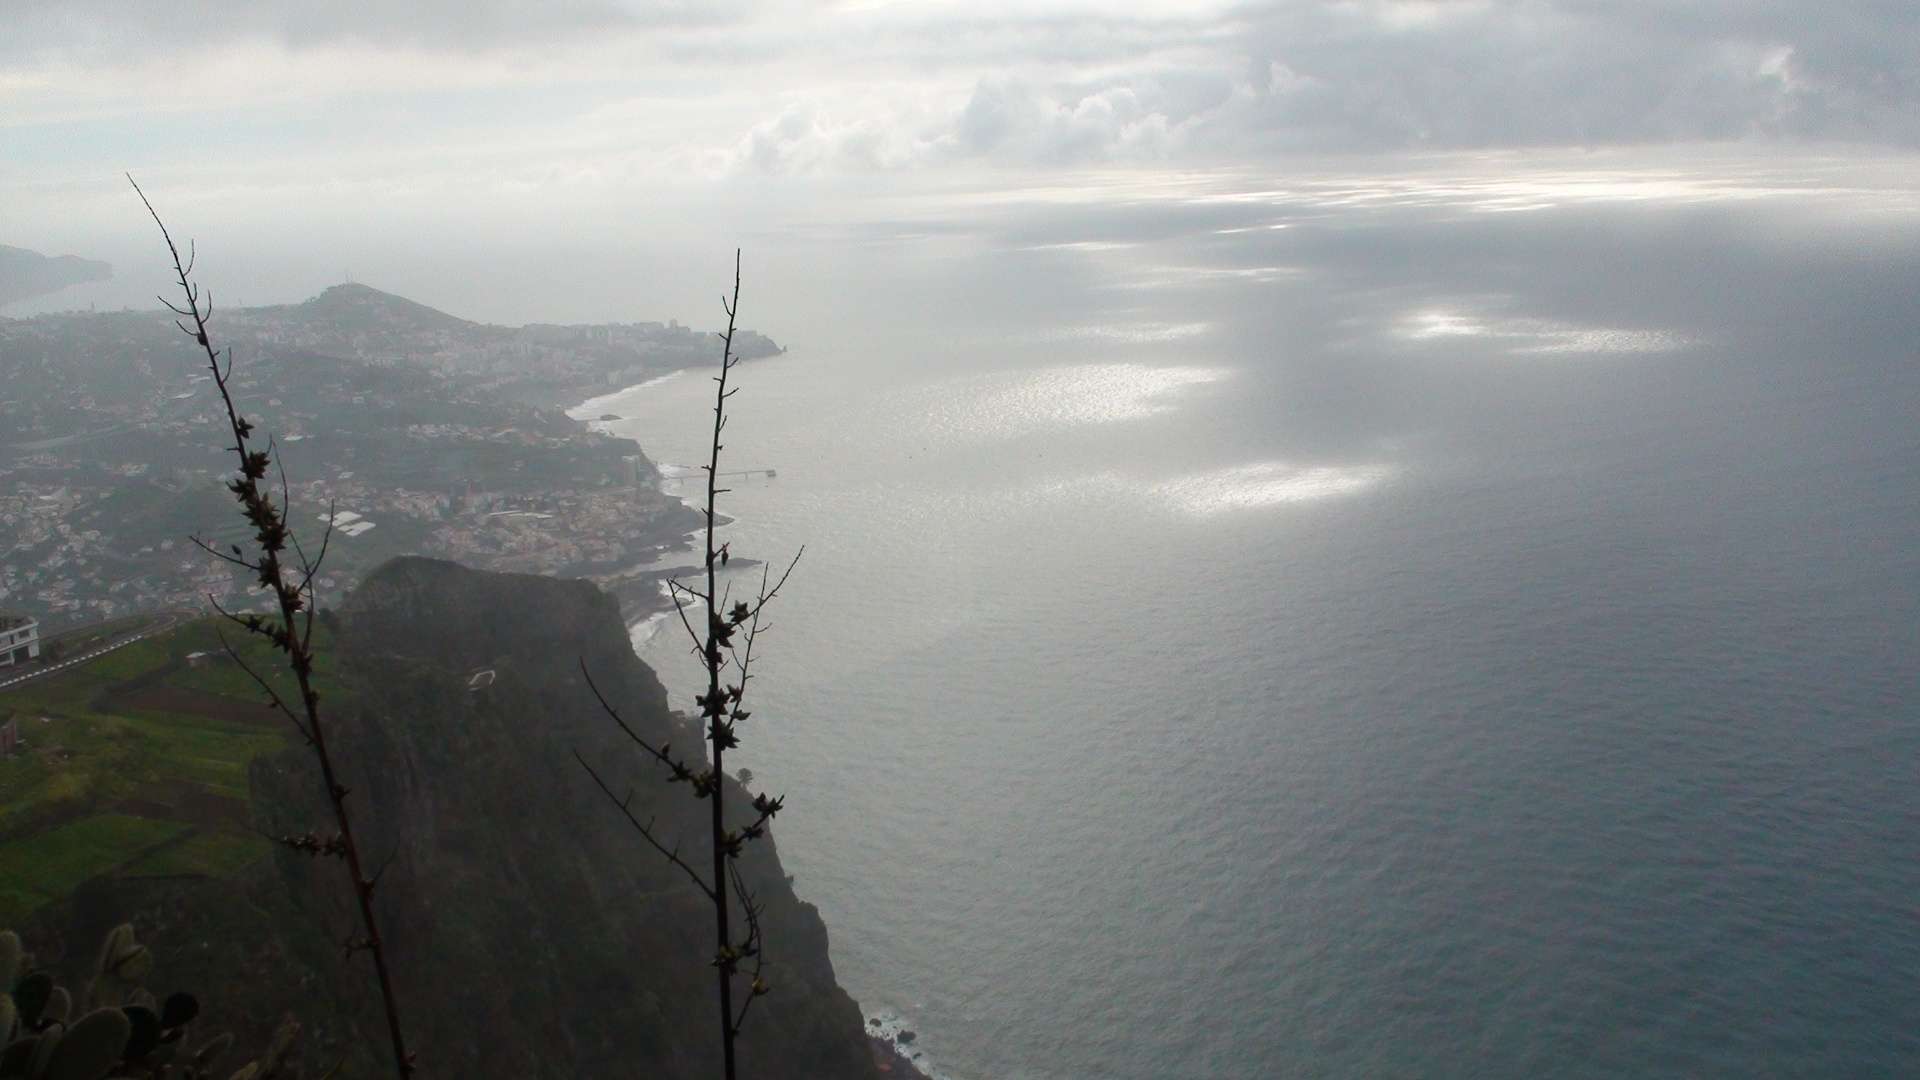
1449 621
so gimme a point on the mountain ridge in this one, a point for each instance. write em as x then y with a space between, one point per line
25 274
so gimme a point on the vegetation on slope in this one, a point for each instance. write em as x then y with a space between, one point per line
533 934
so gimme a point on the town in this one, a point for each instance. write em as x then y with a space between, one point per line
400 430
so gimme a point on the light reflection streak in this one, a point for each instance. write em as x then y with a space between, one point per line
1011 404
1267 484
1537 336
1255 486
1501 183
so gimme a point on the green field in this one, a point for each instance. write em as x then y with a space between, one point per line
205 854
134 763
41 868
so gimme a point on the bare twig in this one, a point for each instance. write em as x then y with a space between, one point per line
646 831
751 911
273 696
719 730
678 771
291 630
674 589
726 645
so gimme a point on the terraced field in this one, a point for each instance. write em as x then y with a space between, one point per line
133 764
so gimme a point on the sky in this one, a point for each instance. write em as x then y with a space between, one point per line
507 159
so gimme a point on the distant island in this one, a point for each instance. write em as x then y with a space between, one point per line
407 429
26 274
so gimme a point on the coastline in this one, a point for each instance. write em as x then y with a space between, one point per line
643 593
641 587
595 404
894 1049
893 1062
644 598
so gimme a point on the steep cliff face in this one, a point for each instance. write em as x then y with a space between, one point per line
535 932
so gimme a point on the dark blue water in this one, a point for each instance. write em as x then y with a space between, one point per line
1413 642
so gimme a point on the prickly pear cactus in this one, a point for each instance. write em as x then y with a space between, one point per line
127 1033
10 957
86 1051
123 963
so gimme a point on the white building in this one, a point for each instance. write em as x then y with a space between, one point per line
19 639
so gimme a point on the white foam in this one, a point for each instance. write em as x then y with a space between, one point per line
643 631
889 1025
592 407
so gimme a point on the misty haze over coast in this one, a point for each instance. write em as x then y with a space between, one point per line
1344 539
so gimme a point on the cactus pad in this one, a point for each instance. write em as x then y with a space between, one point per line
90 1048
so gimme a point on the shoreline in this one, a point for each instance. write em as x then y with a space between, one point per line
888 1056
641 588
643 594
892 1042
595 404
644 598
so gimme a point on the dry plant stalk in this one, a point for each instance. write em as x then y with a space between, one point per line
281 567
725 649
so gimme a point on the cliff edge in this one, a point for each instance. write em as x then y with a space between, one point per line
534 934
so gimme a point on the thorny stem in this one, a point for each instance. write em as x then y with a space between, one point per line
751 909
721 706
718 730
293 594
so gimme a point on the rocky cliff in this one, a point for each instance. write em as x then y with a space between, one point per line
534 933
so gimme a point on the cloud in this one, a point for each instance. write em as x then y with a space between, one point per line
1477 73
708 87
1003 120
114 27
1134 120
1345 75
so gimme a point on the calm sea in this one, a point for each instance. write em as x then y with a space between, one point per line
1436 626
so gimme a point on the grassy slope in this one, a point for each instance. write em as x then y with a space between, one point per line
132 802
135 763
532 939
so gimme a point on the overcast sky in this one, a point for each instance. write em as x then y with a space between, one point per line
262 122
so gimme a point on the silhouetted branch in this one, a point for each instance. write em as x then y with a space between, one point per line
292 592
751 911
741 613
674 589
646 831
727 643
701 782
273 695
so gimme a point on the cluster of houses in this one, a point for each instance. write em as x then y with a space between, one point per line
19 643
19 639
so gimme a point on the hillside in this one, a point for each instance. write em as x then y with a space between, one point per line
25 274
533 932
433 434
539 364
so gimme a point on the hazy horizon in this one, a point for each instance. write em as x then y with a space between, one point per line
600 161
1402 512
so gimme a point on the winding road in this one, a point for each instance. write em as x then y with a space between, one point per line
138 628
